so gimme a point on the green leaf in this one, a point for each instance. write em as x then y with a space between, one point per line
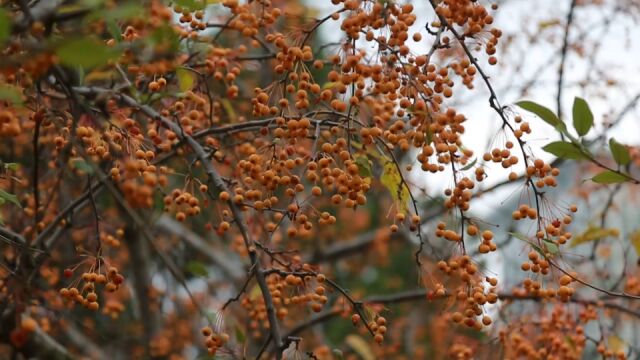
337 354
551 247
197 268
83 166
469 165
565 150
609 177
11 166
520 236
185 79
5 26
582 116
92 3
240 336
119 13
11 93
86 53
364 166
543 113
5 196
114 30
190 4
166 38
619 152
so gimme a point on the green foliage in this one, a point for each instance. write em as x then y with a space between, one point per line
565 150
197 268
83 166
609 177
166 38
470 165
5 196
549 246
11 94
542 112
5 26
11 166
191 4
582 116
364 166
118 13
86 53
619 152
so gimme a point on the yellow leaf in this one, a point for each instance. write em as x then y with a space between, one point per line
255 292
594 233
635 241
392 180
615 343
98 76
328 85
229 109
185 79
549 23
360 346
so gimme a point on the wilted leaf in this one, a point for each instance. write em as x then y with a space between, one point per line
582 116
197 268
185 79
609 177
619 152
86 53
594 233
293 353
360 346
392 180
543 113
565 150
5 196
